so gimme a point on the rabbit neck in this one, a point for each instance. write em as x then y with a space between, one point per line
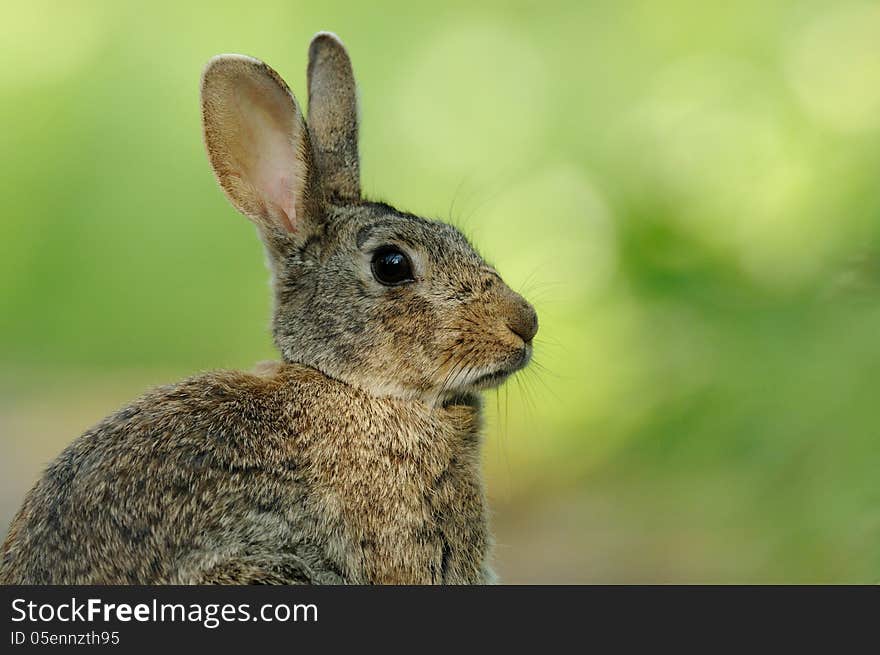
400 479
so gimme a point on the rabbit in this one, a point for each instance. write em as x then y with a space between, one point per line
355 459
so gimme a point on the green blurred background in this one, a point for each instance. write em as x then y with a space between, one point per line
688 191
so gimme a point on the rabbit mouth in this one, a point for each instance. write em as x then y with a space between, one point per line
495 377
489 380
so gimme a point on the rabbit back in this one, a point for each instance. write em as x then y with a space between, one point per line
235 478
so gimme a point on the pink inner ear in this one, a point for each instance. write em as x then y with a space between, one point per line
265 147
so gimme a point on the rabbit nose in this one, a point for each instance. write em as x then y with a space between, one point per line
523 321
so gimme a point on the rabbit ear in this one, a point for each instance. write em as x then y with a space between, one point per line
333 120
257 142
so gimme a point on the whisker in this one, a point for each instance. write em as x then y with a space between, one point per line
537 367
538 376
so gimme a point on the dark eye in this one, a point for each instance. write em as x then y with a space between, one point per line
391 266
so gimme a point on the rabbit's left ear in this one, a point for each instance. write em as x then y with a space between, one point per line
258 143
333 119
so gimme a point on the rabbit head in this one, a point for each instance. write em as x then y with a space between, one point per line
379 298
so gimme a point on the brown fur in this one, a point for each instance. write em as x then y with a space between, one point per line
356 459
333 117
228 477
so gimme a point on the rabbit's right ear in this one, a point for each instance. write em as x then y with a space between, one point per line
333 117
257 142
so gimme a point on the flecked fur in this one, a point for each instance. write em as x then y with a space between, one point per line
356 459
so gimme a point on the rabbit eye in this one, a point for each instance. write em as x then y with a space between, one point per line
391 266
